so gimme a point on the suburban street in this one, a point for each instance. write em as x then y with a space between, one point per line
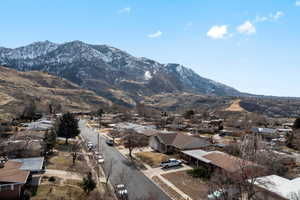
138 185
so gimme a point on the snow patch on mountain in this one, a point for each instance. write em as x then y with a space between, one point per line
148 75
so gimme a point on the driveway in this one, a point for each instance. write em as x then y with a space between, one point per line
150 172
138 185
63 174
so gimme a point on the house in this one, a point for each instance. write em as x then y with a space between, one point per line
35 165
274 187
288 125
12 179
268 133
217 160
23 148
176 142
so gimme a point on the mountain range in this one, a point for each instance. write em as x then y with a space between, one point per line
83 76
111 72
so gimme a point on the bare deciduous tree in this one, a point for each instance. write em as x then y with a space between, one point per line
133 140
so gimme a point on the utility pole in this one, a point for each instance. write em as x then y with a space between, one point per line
98 142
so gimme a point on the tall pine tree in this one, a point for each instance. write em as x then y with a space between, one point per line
68 127
296 124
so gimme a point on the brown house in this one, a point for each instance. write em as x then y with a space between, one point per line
12 180
218 160
176 142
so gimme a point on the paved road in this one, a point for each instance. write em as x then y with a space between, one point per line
138 185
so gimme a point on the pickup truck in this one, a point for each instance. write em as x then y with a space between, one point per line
171 163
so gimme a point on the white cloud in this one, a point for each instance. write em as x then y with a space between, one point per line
297 3
124 10
270 17
217 32
260 19
246 28
155 35
277 15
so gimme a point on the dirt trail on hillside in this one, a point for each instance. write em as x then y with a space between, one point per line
235 106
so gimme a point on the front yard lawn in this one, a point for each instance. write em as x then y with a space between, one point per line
62 159
54 192
193 187
152 158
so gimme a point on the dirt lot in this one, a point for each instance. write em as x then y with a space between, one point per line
195 188
152 158
62 159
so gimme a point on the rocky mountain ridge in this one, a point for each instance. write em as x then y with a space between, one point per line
110 72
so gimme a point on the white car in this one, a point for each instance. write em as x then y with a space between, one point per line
171 163
219 194
121 192
90 144
100 159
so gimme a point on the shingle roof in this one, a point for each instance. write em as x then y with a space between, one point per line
227 162
11 173
222 160
182 141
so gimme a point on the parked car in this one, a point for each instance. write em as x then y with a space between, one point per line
90 146
100 159
171 163
110 142
121 192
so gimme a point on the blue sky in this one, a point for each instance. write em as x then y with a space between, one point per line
252 45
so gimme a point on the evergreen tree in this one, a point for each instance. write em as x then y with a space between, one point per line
189 114
50 140
68 126
296 124
88 184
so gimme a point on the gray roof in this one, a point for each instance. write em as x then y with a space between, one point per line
31 164
40 125
264 130
198 154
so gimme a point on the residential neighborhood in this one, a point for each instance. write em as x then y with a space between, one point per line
149 100
134 158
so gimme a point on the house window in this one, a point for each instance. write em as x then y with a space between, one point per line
4 188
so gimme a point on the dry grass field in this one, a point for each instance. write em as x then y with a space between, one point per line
152 158
18 88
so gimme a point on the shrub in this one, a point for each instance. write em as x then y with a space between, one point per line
201 172
52 179
26 195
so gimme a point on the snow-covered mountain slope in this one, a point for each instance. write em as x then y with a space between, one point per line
104 69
